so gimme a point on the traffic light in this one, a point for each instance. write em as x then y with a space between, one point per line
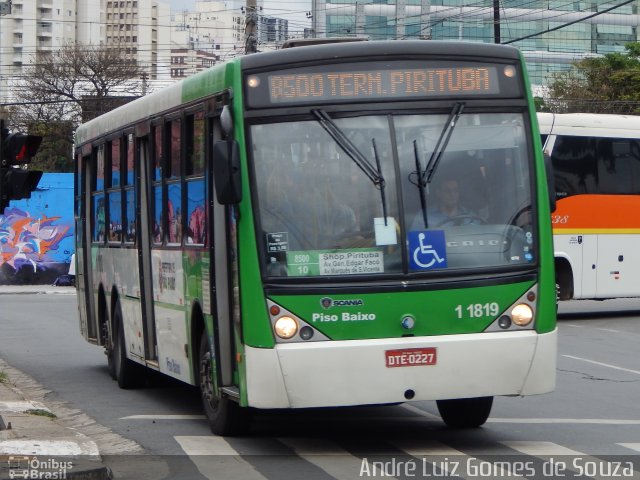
15 182
18 148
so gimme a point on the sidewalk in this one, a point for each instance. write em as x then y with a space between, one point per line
34 443
35 289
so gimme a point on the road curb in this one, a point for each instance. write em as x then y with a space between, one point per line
34 443
36 290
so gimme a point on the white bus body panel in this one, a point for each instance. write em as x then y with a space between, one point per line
171 331
119 267
604 265
618 265
581 251
353 372
171 324
590 125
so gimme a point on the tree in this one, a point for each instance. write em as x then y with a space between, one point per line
62 88
607 84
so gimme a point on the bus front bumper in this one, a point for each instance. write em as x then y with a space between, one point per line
354 372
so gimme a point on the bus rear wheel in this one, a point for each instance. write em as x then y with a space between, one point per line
225 416
127 373
465 412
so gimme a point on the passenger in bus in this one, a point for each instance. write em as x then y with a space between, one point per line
312 213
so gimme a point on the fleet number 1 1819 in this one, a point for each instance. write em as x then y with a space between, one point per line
476 310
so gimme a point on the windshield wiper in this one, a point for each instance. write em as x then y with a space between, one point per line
423 177
421 186
373 173
441 145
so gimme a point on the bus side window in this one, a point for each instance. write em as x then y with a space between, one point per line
617 166
173 179
196 213
158 158
97 185
194 187
129 218
174 213
574 163
114 193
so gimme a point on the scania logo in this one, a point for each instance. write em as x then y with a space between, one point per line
327 303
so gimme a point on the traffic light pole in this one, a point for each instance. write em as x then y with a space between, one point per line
3 171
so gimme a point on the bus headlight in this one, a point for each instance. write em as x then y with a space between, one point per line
522 314
285 327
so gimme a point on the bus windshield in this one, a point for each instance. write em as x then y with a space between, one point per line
320 214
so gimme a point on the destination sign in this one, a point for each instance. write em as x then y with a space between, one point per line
313 86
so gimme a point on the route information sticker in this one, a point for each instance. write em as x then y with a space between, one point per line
343 262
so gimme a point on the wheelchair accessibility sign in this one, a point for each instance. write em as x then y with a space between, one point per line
427 250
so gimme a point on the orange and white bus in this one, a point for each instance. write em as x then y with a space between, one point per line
596 226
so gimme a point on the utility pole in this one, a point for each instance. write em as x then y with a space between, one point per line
144 76
496 21
251 28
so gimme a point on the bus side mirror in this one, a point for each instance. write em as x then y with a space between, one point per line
226 172
551 182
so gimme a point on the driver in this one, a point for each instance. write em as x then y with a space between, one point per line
446 210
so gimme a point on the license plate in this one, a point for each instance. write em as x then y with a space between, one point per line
410 357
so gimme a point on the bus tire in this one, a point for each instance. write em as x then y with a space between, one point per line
465 412
225 416
109 349
127 373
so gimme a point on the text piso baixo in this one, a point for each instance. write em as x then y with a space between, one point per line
477 468
344 316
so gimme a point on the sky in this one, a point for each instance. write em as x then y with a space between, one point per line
292 10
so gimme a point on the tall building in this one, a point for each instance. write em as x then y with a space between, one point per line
551 33
35 26
188 61
140 28
272 30
216 24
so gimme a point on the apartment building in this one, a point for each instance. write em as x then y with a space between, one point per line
187 61
140 28
219 26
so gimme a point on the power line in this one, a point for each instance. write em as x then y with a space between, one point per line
570 23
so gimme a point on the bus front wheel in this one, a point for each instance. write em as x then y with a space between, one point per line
465 412
225 416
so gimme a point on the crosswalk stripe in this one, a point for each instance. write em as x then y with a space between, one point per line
327 456
444 459
418 447
549 450
538 449
216 459
631 446
202 445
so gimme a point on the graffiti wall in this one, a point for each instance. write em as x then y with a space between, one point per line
36 235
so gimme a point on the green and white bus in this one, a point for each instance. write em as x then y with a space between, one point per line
272 230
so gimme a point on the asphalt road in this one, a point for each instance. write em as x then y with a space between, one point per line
594 411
